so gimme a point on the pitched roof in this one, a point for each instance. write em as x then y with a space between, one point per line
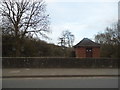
87 43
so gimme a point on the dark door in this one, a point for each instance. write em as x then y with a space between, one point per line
88 52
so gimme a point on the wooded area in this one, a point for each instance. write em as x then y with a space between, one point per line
110 41
24 22
33 48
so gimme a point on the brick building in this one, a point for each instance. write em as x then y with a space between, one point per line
86 48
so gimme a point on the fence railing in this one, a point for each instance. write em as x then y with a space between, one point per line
29 62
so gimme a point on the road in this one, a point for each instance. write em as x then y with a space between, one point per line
61 82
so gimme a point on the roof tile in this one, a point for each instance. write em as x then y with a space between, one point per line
87 43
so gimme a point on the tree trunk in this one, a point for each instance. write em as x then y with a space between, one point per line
17 53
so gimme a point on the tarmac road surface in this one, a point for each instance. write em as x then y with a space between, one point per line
60 78
61 82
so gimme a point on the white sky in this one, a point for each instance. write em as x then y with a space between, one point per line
84 18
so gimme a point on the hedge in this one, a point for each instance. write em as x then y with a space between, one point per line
29 62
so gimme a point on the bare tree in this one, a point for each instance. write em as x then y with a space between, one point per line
62 41
22 18
67 39
110 36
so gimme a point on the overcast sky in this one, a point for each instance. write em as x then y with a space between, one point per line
84 18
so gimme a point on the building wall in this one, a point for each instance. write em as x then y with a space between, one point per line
96 52
81 52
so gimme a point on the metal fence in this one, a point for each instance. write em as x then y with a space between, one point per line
29 62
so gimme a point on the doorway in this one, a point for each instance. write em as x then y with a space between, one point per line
88 52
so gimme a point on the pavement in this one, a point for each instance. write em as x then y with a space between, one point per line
57 72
